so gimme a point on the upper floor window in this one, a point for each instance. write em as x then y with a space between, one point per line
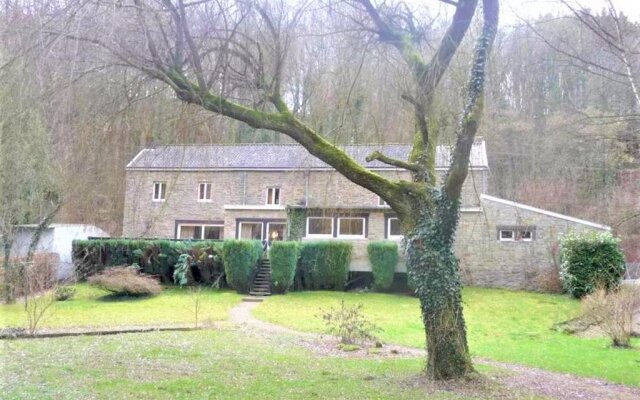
319 227
394 230
273 195
382 202
159 191
350 227
204 192
516 233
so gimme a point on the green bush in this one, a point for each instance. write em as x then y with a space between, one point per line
325 264
155 257
284 259
590 260
383 257
241 262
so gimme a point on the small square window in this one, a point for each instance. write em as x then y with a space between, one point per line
159 191
273 196
382 202
506 235
204 192
525 235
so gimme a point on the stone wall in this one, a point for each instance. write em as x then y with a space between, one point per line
322 189
486 261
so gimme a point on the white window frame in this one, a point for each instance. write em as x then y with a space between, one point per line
252 223
389 235
364 229
511 239
162 194
522 239
200 192
382 202
202 226
319 235
274 188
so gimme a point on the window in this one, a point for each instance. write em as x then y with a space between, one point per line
382 202
204 192
506 235
159 191
273 195
516 233
200 232
250 231
349 227
319 227
394 230
525 235
276 231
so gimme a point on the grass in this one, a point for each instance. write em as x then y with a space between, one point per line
206 365
92 307
503 325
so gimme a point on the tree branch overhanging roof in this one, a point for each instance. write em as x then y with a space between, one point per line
279 157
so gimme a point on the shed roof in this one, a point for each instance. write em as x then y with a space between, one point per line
277 157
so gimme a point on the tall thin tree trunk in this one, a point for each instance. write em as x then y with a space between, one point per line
9 295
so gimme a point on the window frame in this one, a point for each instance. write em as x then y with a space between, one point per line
202 226
162 192
274 189
261 223
382 202
206 185
389 235
319 235
517 233
511 239
364 229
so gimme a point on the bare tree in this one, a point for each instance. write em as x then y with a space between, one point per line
231 57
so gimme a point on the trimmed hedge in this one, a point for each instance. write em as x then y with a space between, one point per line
284 259
241 262
590 260
324 265
155 257
383 256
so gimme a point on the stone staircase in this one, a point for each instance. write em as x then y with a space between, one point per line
262 282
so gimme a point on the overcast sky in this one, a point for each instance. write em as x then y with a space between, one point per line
511 9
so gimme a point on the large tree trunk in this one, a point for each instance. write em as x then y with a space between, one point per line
433 267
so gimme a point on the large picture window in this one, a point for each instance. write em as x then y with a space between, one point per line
200 232
250 231
319 227
350 227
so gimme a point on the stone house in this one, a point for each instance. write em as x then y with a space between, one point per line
280 191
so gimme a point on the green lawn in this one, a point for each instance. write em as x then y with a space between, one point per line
93 307
207 365
503 325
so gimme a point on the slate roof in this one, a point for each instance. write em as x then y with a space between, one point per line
276 157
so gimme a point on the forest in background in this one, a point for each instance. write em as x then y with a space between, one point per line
561 123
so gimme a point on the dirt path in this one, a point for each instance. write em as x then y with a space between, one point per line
538 382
